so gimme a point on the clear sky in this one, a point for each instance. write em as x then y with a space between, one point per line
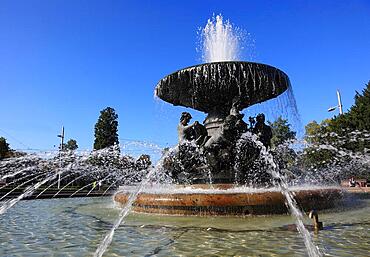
62 61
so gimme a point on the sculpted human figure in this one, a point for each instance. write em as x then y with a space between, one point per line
235 107
195 131
200 133
240 125
263 131
184 129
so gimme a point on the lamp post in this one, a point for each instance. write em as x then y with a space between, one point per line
60 153
339 106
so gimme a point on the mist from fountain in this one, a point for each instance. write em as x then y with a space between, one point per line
31 171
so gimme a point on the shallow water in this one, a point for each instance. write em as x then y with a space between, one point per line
76 226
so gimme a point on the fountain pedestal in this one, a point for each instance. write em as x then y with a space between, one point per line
213 122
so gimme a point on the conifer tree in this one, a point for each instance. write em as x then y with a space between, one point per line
281 131
4 148
71 145
106 129
359 113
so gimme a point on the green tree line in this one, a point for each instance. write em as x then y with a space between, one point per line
346 132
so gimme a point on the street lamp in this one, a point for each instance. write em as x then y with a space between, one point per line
339 106
60 153
61 139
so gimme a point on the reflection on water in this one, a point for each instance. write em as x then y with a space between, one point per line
75 227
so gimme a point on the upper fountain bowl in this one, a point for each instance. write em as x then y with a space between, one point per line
214 86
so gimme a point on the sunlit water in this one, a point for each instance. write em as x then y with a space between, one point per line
74 227
220 41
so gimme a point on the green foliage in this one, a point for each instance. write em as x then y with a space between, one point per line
106 129
318 133
323 141
71 145
4 148
312 129
356 119
341 132
284 156
281 132
359 114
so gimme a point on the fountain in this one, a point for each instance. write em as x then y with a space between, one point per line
223 167
213 162
222 90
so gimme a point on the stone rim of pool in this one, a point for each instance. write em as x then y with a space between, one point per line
225 200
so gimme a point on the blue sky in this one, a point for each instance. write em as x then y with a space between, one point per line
61 62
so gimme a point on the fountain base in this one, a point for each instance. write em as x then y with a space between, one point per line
226 200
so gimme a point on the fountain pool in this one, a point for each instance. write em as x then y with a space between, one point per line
73 227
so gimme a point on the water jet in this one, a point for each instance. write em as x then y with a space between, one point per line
217 159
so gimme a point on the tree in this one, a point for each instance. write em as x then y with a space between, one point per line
312 128
71 145
358 117
354 124
359 114
106 129
4 148
317 135
339 134
346 131
281 132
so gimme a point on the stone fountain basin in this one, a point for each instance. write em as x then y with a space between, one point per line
223 200
211 86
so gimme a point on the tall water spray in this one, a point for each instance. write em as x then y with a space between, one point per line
220 41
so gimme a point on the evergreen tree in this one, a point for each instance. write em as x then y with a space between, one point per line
358 117
281 132
4 148
106 129
347 132
360 112
71 145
